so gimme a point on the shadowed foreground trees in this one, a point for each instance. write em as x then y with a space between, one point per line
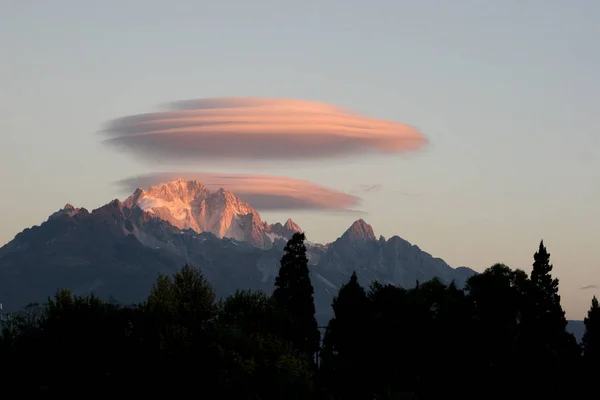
179 341
502 336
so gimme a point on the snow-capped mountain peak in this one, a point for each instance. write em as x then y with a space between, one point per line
191 205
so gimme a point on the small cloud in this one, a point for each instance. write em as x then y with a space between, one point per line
375 188
366 188
343 213
594 286
257 129
263 192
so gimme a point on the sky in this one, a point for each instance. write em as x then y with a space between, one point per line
506 94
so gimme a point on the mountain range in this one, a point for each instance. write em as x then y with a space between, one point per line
117 250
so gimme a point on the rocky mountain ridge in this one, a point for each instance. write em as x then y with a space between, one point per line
191 205
118 249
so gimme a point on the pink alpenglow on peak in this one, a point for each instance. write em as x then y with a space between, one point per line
69 210
263 192
188 204
258 129
359 231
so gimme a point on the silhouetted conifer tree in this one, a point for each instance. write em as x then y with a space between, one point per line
548 346
549 315
346 343
591 337
294 293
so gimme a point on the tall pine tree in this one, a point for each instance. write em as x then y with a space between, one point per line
591 337
550 348
549 316
346 344
294 293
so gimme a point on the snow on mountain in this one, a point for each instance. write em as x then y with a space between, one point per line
191 205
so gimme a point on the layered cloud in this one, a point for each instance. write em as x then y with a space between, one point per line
587 287
258 128
263 192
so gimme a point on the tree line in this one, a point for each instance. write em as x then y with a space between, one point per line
502 335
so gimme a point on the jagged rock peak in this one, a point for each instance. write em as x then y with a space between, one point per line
68 209
285 231
116 203
292 226
191 205
359 230
180 189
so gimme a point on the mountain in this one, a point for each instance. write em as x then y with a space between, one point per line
577 328
282 231
190 205
118 250
394 261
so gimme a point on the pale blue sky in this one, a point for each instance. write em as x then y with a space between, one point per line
507 91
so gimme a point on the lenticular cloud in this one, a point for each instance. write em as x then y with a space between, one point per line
263 192
258 128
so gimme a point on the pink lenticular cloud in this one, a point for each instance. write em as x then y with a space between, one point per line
258 128
263 192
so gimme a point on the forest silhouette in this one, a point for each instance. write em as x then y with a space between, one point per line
501 336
